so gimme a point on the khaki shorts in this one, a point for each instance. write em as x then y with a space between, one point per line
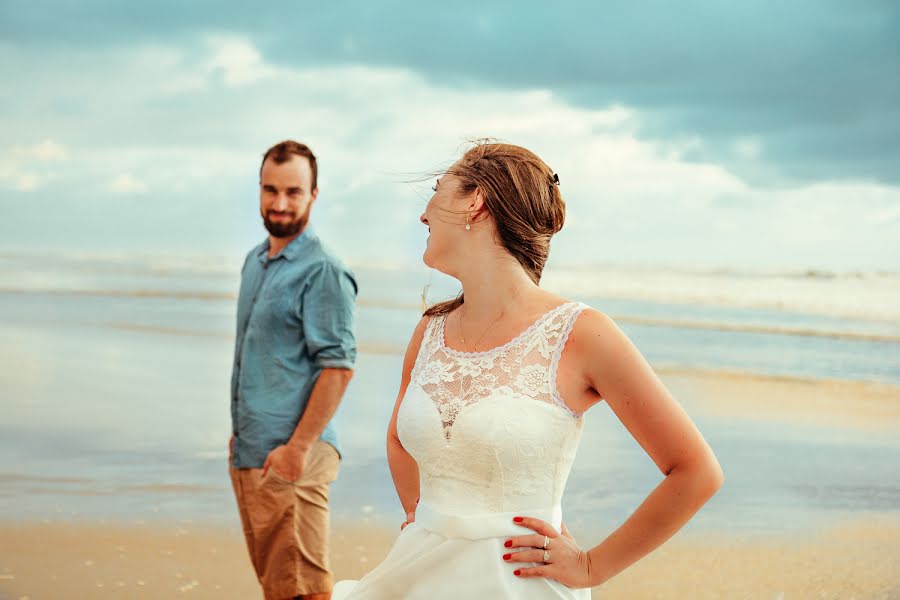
286 524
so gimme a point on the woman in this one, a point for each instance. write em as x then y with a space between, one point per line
494 388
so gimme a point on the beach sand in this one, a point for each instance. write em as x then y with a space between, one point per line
80 560
856 557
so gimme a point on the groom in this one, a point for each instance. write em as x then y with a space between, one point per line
293 358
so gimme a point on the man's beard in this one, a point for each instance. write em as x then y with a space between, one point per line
282 229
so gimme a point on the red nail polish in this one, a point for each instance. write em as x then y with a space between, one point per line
506 556
518 519
517 572
508 543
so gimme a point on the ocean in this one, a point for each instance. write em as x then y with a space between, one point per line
115 378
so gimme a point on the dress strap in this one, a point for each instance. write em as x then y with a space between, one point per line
561 330
429 343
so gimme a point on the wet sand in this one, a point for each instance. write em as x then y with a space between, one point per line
69 558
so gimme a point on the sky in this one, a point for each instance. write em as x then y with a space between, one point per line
745 135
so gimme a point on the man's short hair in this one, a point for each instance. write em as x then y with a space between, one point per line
283 151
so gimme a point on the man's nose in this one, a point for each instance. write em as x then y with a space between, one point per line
281 202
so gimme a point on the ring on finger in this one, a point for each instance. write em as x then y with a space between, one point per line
546 556
546 542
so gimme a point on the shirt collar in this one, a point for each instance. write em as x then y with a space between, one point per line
292 250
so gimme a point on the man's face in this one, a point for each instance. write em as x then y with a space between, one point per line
285 197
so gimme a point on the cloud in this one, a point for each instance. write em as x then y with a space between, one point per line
26 182
24 167
747 147
127 184
185 126
814 87
238 60
48 150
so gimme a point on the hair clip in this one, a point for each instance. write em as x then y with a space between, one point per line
556 179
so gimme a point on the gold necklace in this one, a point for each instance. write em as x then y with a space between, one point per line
502 312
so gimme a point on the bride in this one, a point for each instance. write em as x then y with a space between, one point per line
494 389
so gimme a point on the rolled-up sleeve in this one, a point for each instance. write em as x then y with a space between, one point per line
329 317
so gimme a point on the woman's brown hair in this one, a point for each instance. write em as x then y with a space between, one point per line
521 193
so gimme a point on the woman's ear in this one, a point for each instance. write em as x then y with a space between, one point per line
476 207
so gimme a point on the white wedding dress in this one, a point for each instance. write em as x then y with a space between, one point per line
493 440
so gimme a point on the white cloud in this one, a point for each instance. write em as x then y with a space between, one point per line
199 118
47 150
127 184
26 182
24 168
889 214
237 59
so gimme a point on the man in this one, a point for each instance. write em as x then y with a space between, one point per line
294 352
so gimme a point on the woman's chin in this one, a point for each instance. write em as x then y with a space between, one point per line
430 262
427 258
437 261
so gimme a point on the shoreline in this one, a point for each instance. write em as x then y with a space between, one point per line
72 555
230 297
830 412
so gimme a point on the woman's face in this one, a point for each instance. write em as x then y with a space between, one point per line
446 221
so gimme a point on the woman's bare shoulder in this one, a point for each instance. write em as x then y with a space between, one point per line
594 330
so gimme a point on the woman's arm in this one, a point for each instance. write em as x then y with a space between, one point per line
615 369
404 469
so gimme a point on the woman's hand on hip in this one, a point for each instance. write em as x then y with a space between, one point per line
561 558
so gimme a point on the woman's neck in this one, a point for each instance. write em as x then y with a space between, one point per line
492 288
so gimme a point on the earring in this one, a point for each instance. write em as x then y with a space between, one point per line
468 227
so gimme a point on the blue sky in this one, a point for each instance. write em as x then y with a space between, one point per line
709 134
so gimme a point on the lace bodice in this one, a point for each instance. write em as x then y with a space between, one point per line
489 430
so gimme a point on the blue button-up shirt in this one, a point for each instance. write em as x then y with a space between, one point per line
295 317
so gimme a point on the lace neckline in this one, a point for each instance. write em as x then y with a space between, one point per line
524 334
